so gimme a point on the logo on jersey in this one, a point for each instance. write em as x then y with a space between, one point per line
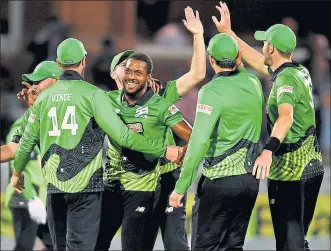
136 127
169 210
117 110
204 108
284 89
173 109
32 118
140 209
142 112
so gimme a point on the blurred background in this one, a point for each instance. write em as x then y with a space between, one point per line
31 31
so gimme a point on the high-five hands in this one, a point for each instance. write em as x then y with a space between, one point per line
224 25
192 22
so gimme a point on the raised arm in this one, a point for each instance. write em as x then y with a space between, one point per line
198 65
249 54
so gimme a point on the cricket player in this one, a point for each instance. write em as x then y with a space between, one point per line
291 158
131 177
68 122
170 220
226 132
28 211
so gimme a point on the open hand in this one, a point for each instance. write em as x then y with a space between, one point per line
192 22
17 181
224 25
262 165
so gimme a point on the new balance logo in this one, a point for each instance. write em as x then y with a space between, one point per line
169 209
140 209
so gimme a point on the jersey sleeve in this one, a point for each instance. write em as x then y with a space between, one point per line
170 92
169 114
207 114
116 130
29 140
287 90
29 191
20 129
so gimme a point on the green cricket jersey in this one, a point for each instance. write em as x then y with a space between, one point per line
170 93
69 121
33 179
226 129
150 116
299 156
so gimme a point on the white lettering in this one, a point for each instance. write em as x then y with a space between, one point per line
61 97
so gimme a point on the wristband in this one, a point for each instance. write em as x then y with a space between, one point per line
272 144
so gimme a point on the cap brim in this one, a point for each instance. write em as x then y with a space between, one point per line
117 60
260 35
33 77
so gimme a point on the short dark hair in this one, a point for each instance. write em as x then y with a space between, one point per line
228 64
67 66
144 58
285 54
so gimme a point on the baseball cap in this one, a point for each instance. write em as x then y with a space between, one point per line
70 51
223 47
46 69
280 36
119 58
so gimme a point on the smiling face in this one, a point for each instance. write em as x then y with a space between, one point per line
136 76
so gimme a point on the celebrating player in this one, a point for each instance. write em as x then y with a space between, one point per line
68 122
28 211
170 220
226 132
291 159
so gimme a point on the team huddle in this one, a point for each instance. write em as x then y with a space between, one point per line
62 192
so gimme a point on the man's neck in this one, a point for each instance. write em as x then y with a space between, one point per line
219 69
132 98
276 63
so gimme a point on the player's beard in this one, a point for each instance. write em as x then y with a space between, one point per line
138 92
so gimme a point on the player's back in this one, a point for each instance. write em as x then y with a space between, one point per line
241 110
70 139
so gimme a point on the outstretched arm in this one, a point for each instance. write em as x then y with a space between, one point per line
249 54
198 65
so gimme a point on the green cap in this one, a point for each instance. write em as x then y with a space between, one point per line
70 51
119 58
46 69
223 47
280 36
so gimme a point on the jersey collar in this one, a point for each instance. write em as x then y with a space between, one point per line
71 75
143 99
226 74
274 74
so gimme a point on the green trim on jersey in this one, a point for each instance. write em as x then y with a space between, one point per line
226 129
299 152
151 116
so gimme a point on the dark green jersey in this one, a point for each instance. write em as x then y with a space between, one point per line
69 121
299 154
33 179
226 129
151 116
